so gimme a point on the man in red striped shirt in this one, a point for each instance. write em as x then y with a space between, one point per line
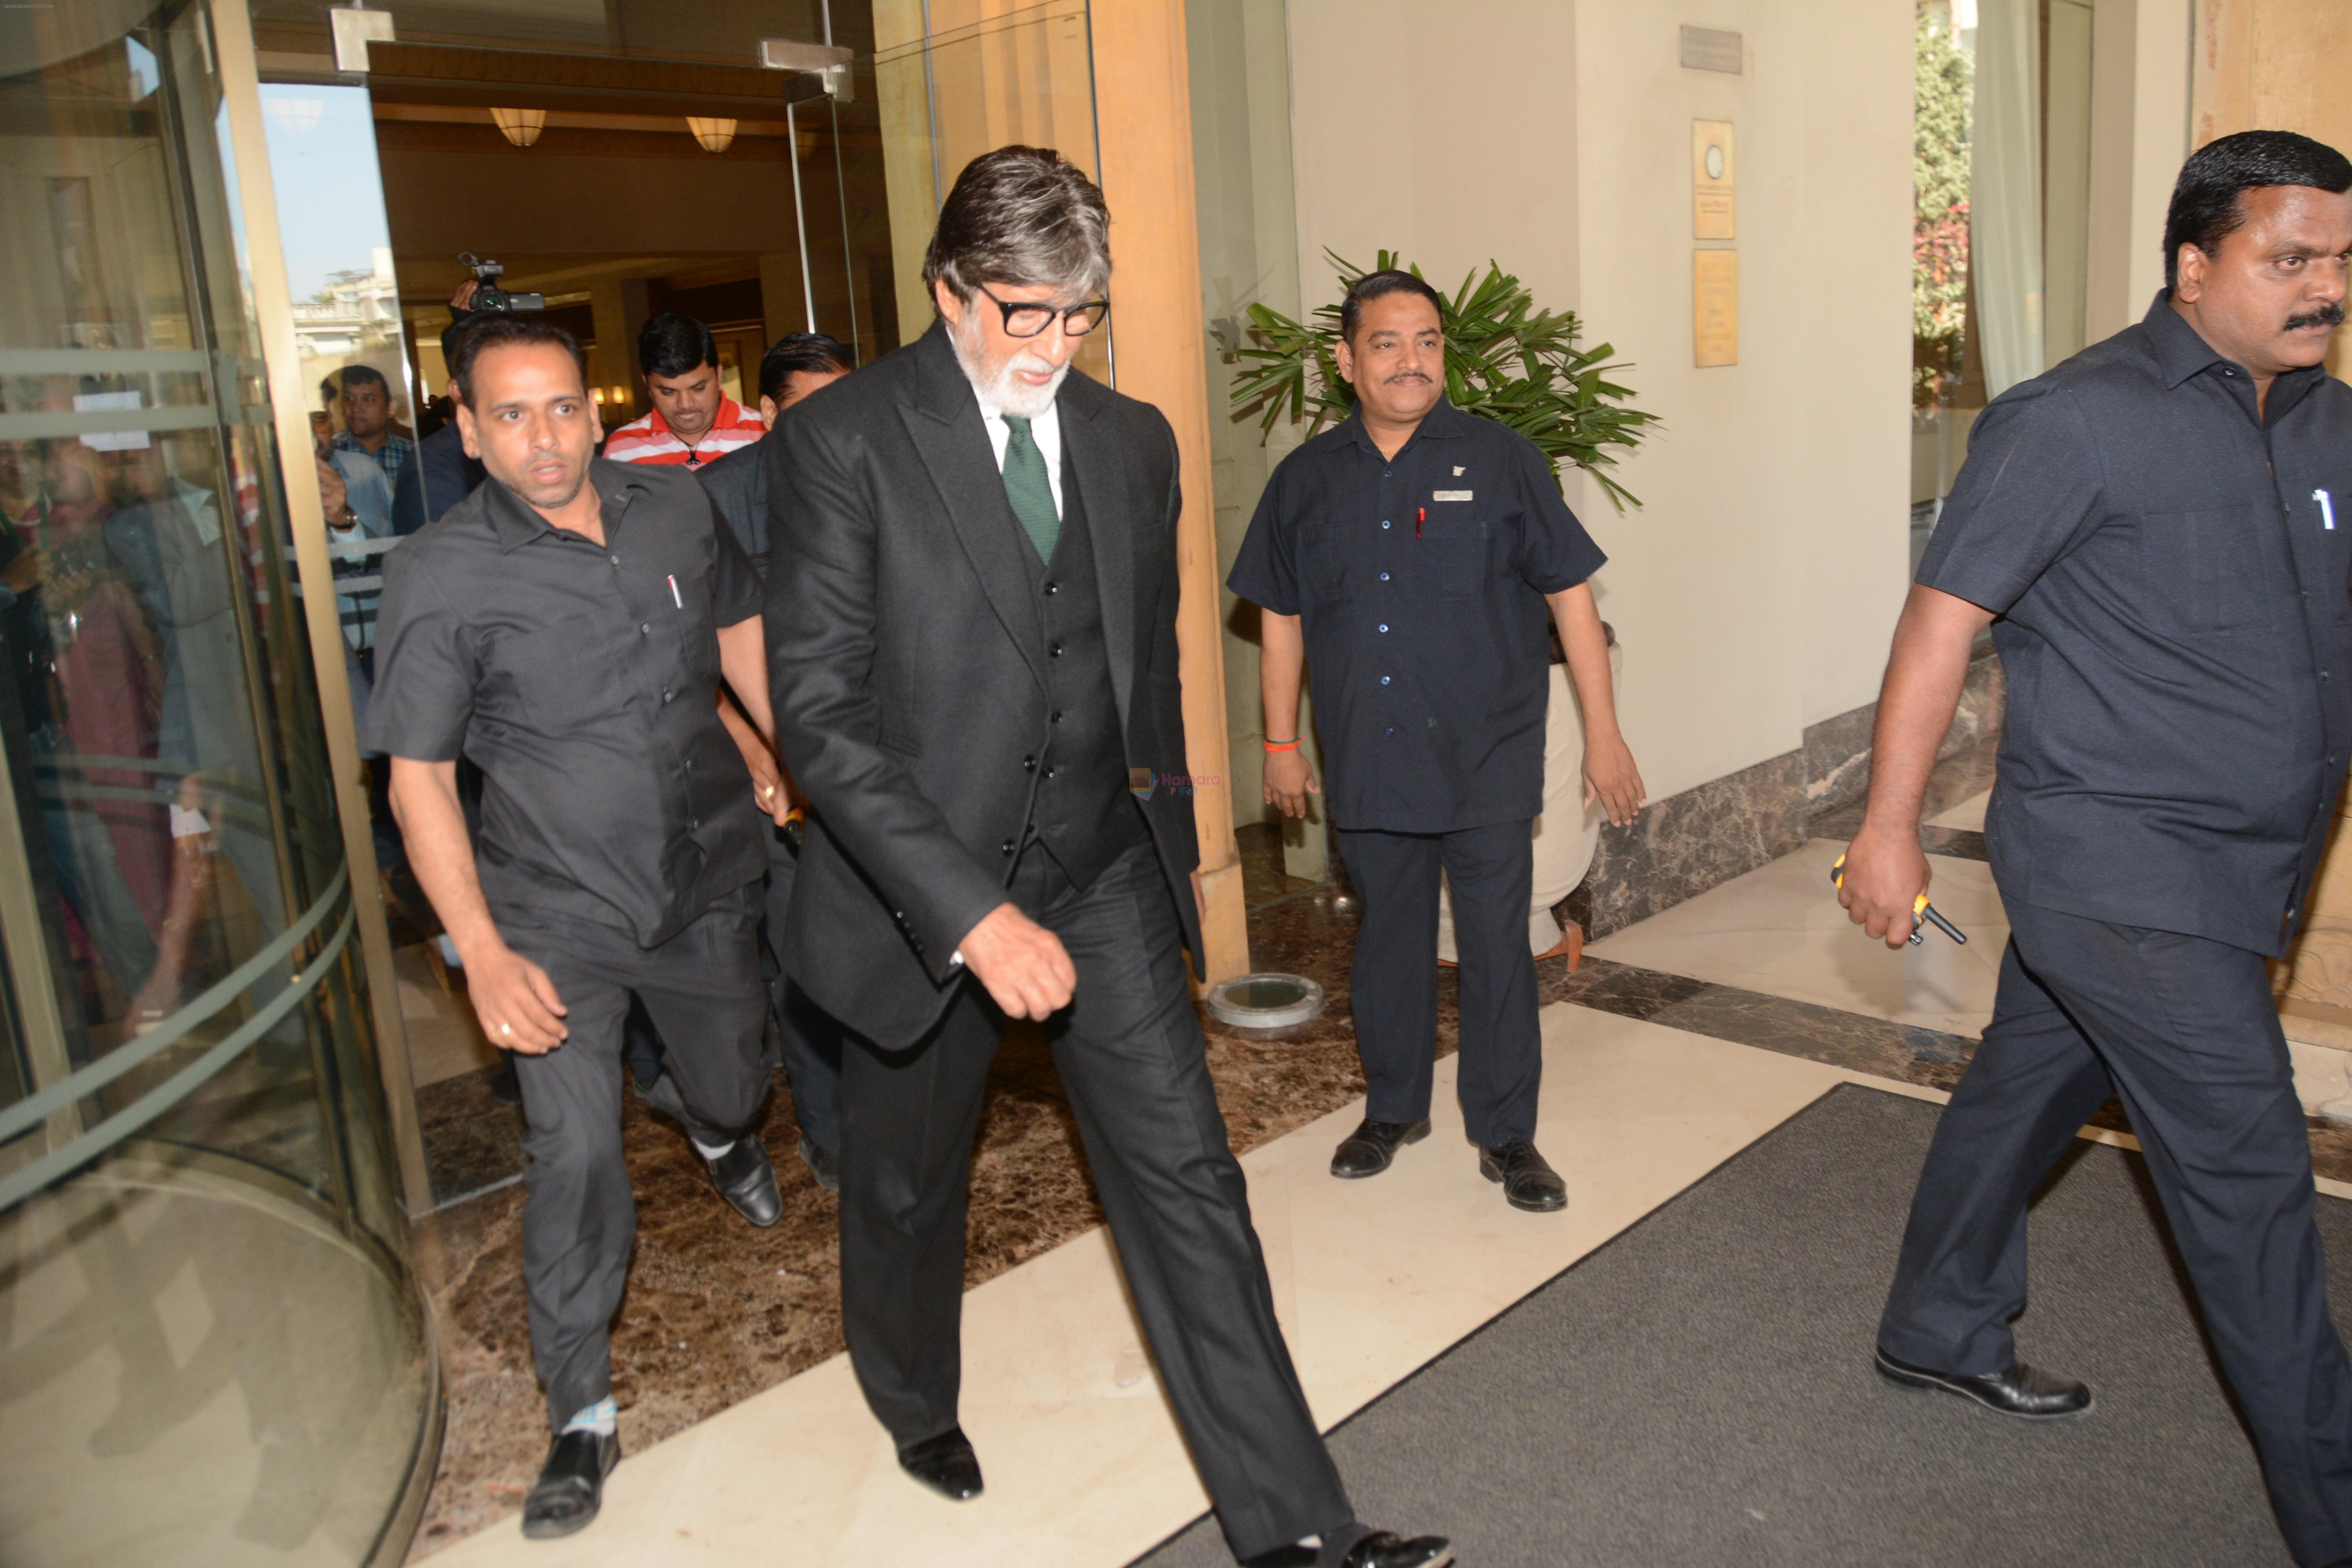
693 420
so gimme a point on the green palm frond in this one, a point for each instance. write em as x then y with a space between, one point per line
1505 360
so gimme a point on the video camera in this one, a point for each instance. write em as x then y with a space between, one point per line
490 296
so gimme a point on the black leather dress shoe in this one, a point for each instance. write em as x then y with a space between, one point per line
570 1485
946 1464
746 1179
2025 1392
1380 1549
1368 1150
823 1164
1529 1181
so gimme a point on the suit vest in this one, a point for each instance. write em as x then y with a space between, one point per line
1081 809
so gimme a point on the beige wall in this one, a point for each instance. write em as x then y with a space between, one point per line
2275 65
1240 60
2139 134
1756 589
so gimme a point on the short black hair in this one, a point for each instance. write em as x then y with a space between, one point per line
812 352
1378 285
2206 206
672 345
499 331
364 375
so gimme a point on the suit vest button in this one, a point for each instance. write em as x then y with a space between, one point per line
1008 847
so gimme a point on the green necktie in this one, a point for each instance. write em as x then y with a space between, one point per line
1027 487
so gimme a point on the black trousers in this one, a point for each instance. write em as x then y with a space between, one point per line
702 988
1132 1057
2184 1029
808 1039
1393 985
809 1036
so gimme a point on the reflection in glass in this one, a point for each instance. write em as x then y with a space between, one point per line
2001 235
209 1345
959 77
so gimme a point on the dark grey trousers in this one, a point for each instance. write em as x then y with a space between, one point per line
1392 986
809 1036
2186 1031
1130 1053
703 989
808 1039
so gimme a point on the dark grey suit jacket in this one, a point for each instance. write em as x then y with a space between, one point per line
738 485
905 666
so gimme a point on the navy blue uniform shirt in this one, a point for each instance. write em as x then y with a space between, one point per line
2175 628
1420 586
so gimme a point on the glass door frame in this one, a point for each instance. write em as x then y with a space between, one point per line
273 305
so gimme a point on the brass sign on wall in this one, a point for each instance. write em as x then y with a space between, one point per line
1715 307
1713 213
1713 49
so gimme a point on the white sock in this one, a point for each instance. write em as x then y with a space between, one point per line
709 1152
603 1417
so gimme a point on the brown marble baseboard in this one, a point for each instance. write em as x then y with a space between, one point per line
1685 844
1837 750
1680 847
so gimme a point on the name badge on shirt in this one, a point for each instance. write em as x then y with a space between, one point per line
1452 495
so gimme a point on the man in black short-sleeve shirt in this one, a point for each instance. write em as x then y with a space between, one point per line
565 628
2160 532
1411 557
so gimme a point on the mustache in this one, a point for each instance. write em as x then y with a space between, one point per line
2325 316
1401 377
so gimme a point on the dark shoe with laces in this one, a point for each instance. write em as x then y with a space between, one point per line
747 1181
1367 1151
2025 1392
1380 1549
1529 1181
946 1464
823 1164
570 1485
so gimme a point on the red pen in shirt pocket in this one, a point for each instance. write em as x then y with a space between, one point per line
1417 519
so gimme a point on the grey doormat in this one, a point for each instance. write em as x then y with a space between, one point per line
1699 1390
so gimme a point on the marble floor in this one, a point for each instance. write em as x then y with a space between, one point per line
716 1312
1779 930
1085 1466
1681 1041
1967 815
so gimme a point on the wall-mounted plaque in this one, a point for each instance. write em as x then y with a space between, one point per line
1715 307
1712 213
1713 49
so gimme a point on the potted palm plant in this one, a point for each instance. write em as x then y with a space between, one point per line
1505 361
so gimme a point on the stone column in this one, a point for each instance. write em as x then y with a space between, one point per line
1143 107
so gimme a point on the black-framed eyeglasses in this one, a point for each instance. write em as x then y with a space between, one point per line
1027 321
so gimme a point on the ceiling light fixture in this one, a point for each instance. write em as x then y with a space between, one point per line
715 135
520 126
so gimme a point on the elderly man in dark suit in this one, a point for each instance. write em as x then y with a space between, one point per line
971 624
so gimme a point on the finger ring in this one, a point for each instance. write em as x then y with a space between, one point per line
506 1029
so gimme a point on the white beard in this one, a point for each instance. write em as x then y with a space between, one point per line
1005 391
